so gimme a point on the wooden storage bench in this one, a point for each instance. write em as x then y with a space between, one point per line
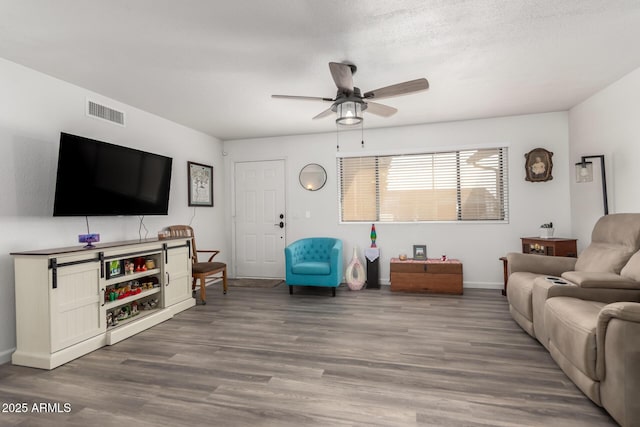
431 275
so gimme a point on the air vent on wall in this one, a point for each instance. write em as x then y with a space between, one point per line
105 113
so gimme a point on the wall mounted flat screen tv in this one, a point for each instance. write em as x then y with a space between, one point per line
96 178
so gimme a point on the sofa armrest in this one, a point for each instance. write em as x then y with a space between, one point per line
617 359
288 257
626 311
540 264
605 295
591 279
619 310
336 257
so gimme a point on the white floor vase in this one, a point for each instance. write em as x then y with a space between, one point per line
355 272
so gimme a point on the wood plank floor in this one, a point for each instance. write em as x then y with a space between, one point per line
260 357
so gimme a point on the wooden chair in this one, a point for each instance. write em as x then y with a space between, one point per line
201 270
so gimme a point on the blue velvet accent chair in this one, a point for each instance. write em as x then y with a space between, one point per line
314 261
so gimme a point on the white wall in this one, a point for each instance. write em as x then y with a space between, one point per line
607 123
478 245
35 108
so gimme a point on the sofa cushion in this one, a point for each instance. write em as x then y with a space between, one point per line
632 269
571 325
621 229
311 267
613 240
587 279
604 258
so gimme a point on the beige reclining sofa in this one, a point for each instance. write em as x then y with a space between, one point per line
586 312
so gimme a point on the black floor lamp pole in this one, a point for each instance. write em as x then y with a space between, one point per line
604 179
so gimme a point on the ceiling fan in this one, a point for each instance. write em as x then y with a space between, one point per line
349 102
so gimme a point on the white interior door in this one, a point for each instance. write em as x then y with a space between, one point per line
260 219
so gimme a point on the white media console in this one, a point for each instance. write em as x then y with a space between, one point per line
71 301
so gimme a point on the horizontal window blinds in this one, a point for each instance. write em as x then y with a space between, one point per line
445 186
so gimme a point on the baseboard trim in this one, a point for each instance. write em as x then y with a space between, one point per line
5 356
467 285
483 285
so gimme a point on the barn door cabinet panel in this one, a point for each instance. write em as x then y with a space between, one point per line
71 301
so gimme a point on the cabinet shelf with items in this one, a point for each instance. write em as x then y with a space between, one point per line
132 266
119 313
118 302
128 320
133 276
131 288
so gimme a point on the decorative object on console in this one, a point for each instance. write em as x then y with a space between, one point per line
584 173
116 268
402 257
546 230
140 264
538 165
109 319
373 235
200 184
420 252
355 272
89 239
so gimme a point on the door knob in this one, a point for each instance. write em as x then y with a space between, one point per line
281 224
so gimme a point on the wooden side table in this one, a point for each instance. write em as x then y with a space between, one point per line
552 246
431 275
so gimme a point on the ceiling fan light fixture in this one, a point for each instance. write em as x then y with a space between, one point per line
349 113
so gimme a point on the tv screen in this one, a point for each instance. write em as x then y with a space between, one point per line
97 178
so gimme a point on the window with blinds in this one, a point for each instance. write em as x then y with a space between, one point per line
465 185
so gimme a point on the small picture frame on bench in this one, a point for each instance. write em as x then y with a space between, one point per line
420 252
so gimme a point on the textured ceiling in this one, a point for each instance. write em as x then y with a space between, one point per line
212 65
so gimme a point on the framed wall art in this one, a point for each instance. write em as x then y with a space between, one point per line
200 180
538 165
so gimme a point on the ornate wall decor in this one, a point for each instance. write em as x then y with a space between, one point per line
538 165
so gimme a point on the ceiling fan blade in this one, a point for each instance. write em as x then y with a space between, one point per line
411 86
325 113
380 109
342 75
303 98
